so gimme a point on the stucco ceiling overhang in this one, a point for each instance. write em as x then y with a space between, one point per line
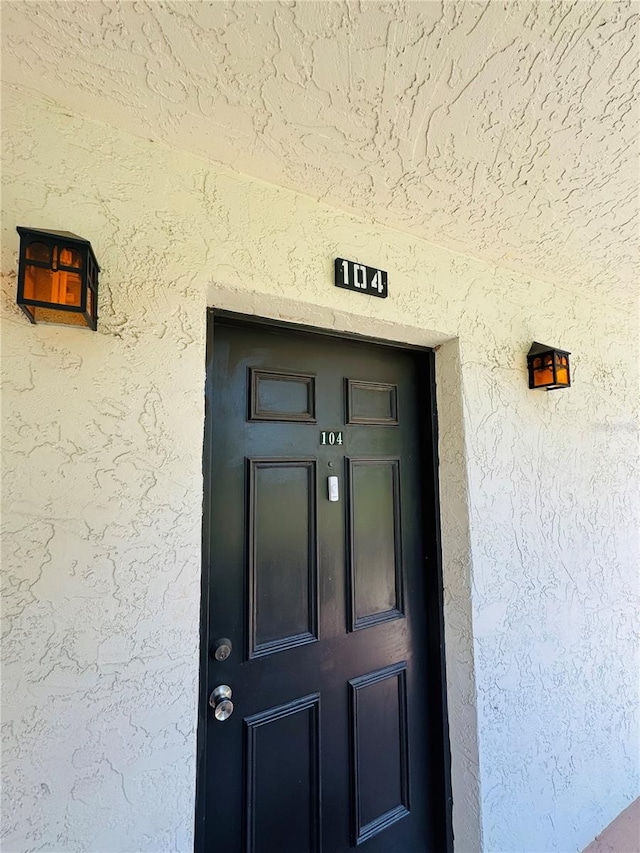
504 130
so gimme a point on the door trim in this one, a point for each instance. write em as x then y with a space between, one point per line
267 322
427 413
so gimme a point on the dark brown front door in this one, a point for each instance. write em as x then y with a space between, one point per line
315 597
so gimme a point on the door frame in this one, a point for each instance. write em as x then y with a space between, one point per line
438 733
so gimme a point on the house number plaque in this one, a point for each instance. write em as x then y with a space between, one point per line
331 437
360 278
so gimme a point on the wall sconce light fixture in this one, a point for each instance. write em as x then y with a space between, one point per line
57 278
548 367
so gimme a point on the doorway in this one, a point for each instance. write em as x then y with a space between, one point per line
322 711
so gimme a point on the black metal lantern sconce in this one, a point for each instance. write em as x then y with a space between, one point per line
548 367
57 278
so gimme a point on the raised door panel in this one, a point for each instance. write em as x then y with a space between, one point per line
374 403
375 553
282 549
282 747
281 396
380 753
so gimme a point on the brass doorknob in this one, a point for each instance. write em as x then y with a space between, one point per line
220 701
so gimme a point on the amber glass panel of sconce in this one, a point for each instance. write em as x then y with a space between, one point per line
562 370
543 370
59 286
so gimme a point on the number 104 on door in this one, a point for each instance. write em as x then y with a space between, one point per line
331 437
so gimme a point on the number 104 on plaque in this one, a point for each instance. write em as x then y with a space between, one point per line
362 279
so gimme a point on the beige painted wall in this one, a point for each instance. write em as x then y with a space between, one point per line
102 439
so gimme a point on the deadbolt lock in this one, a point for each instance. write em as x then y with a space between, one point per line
222 649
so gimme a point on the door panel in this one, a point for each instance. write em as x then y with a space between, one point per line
376 584
281 397
330 745
283 789
371 403
283 555
380 750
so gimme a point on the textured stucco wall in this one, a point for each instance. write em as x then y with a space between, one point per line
102 498
509 127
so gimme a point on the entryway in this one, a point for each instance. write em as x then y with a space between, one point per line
322 718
